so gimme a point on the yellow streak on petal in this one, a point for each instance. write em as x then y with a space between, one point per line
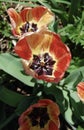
39 42
47 18
53 111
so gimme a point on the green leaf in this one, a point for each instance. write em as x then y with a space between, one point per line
68 112
75 5
53 26
80 128
58 95
62 99
76 104
2 112
9 97
12 65
25 103
74 78
25 2
8 120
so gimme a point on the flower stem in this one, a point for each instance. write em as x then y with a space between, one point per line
7 120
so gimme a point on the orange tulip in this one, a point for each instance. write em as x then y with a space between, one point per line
44 55
80 91
29 19
40 116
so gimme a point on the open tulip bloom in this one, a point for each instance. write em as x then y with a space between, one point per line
44 55
40 116
29 19
80 91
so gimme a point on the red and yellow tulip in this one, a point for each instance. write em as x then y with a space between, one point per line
44 55
29 19
80 91
40 116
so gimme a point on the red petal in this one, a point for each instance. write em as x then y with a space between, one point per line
26 14
14 17
16 21
52 126
58 47
58 75
62 54
64 62
46 101
38 12
24 126
23 50
62 65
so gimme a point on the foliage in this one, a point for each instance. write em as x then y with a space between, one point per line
74 32
18 91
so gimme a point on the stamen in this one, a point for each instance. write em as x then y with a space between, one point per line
34 27
39 116
42 64
27 27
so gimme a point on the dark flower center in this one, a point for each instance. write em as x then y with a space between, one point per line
39 116
28 27
42 64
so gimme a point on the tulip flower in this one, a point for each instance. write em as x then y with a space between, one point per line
80 91
40 116
29 19
44 55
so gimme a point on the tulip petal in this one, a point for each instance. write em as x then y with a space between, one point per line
15 19
38 12
62 55
29 19
26 119
80 91
26 14
47 18
46 101
40 43
52 126
58 48
22 49
25 126
35 42
33 14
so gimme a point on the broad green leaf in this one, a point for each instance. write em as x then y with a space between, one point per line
2 112
9 97
74 78
62 99
12 65
55 91
76 104
7 120
68 113
25 103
